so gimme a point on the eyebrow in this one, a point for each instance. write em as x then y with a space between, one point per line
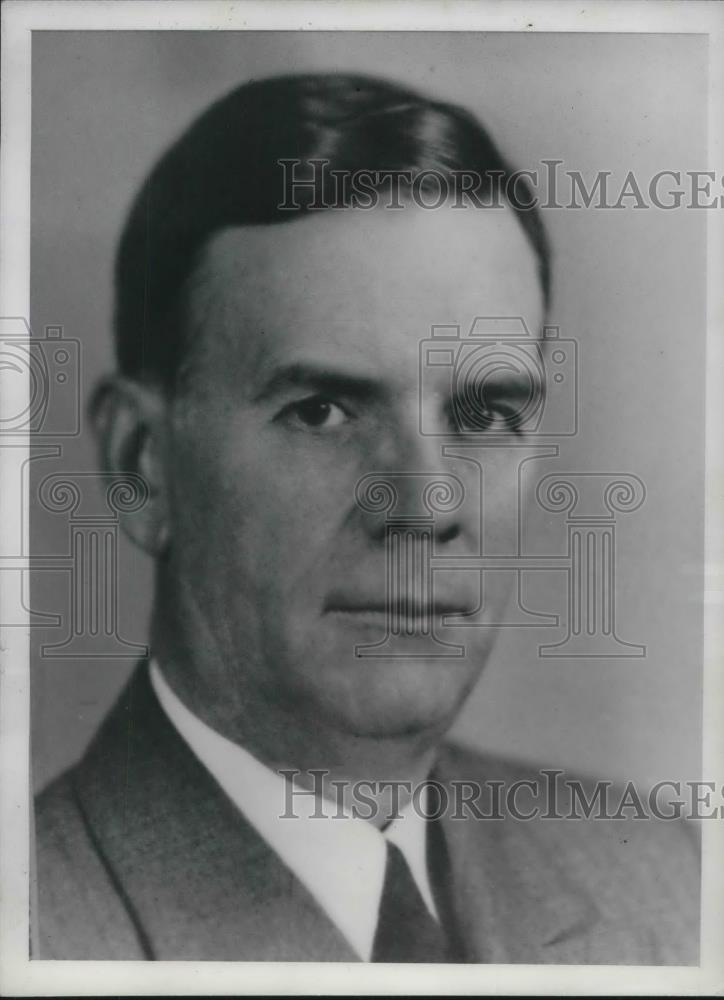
504 379
320 378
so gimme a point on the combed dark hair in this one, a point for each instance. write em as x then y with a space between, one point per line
225 171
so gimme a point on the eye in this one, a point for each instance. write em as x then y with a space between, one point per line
475 417
315 412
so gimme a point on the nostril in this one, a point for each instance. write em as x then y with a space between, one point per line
448 533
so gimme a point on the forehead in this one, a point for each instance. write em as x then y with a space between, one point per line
366 285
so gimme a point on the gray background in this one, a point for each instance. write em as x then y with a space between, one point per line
629 286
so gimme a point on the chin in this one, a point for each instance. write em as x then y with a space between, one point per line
386 698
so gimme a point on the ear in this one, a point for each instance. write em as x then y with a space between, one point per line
128 419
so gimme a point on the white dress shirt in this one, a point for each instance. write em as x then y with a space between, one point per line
340 860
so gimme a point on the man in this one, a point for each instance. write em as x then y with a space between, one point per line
268 330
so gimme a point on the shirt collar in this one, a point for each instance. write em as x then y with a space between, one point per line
339 858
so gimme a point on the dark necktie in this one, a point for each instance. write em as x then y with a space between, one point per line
405 930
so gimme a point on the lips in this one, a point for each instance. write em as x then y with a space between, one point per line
405 606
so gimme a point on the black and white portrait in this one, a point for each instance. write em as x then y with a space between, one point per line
360 539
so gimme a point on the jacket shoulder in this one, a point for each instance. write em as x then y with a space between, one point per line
641 874
81 912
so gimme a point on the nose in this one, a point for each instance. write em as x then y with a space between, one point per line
414 485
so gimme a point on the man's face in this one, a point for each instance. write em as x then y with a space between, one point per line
302 377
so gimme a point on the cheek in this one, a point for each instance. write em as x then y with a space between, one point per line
292 482
270 512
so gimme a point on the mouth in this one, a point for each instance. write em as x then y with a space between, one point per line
405 610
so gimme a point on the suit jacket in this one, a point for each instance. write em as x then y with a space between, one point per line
141 855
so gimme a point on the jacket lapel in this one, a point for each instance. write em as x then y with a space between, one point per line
197 879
